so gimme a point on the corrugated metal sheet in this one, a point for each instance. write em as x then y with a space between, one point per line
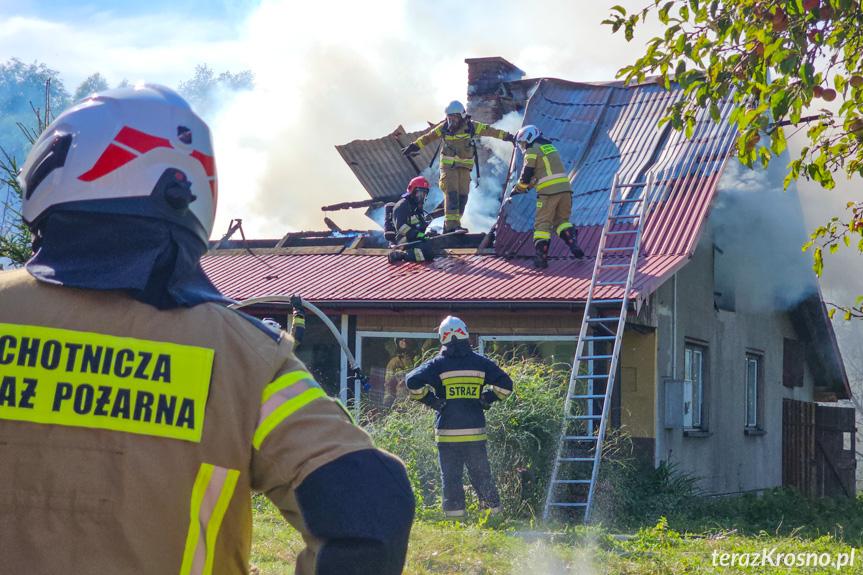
601 131
380 166
339 278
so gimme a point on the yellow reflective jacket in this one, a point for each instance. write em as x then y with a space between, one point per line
131 438
543 169
457 151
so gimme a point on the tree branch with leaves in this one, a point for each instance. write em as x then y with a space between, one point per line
776 59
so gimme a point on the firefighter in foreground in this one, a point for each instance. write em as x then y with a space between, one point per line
461 385
410 225
137 412
543 169
457 158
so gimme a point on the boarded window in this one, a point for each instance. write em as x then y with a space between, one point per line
792 363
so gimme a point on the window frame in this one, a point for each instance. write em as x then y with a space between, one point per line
755 423
699 391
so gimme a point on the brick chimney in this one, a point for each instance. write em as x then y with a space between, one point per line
484 79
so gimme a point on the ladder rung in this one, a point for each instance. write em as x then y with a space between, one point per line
580 437
584 417
618 232
593 376
626 249
595 357
602 396
626 201
605 267
622 218
613 300
572 481
597 319
577 459
610 283
567 504
598 338
641 185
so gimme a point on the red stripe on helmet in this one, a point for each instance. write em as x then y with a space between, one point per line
140 141
113 158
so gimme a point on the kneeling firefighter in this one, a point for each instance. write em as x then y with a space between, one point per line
408 225
141 412
460 385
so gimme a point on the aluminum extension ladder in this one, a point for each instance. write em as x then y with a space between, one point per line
576 463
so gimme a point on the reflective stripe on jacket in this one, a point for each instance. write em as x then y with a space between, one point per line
543 169
457 151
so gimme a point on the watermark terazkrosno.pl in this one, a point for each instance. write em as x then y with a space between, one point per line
772 557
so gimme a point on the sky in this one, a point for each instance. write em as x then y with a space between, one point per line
328 73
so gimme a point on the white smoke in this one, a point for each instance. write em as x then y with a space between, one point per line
758 232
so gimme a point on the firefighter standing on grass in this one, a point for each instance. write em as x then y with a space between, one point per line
137 412
409 222
543 169
460 385
457 158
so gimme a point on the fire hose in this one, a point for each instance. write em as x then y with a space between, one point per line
356 373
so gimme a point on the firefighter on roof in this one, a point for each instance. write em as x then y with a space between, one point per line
457 158
409 223
460 385
543 169
137 412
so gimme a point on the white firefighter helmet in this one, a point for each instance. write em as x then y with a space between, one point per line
137 151
452 328
527 134
455 108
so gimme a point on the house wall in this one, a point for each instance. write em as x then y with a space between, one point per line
724 456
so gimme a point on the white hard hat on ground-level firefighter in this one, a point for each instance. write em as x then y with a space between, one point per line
460 385
408 220
457 158
543 169
139 412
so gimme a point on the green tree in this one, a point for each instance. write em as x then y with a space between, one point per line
25 90
774 59
94 83
203 91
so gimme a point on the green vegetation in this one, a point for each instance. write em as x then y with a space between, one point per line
649 520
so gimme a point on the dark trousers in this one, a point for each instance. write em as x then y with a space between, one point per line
453 457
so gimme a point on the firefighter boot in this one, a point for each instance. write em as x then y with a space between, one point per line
541 258
396 256
570 236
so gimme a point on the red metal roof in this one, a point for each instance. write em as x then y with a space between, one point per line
600 131
351 279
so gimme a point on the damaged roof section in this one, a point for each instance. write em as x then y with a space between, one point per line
380 166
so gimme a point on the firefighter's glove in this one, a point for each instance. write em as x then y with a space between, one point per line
484 403
438 405
516 190
297 304
509 138
422 236
411 150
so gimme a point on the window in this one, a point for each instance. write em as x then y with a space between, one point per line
695 364
385 358
754 391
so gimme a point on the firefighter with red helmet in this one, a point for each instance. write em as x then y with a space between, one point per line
461 385
457 158
543 170
138 412
410 224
